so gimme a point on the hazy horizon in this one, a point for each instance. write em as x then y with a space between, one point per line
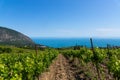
62 18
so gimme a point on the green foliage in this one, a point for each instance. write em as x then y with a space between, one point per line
109 57
25 66
99 55
83 54
114 66
5 50
114 62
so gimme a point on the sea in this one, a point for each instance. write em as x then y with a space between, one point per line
68 42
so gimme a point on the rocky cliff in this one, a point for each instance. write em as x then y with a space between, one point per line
12 37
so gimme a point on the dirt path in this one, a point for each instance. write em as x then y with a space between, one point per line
63 69
59 70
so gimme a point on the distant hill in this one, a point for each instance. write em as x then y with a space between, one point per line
12 37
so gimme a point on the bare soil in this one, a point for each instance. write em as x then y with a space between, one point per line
66 69
59 70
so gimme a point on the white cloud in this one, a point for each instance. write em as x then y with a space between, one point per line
107 32
103 32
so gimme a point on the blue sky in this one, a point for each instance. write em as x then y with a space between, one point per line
62 18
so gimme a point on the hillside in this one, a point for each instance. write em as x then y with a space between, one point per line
12 37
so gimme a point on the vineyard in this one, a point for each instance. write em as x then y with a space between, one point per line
103 64
25 64
65 64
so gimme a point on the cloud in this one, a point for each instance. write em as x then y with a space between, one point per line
107 32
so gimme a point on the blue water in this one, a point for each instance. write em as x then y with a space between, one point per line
67 42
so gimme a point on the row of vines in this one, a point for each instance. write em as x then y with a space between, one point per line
108 57
25 66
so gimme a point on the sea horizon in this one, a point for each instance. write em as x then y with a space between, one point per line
68 42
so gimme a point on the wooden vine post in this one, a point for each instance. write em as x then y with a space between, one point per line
108 47
36 49
96 63
108 53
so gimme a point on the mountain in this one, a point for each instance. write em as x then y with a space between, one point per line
12 37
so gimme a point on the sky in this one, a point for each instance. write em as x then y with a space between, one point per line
62 18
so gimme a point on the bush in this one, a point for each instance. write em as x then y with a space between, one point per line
7 50
1 50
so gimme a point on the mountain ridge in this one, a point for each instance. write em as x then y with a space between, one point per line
12 37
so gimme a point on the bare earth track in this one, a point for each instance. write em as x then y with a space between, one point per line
63 69
59 70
